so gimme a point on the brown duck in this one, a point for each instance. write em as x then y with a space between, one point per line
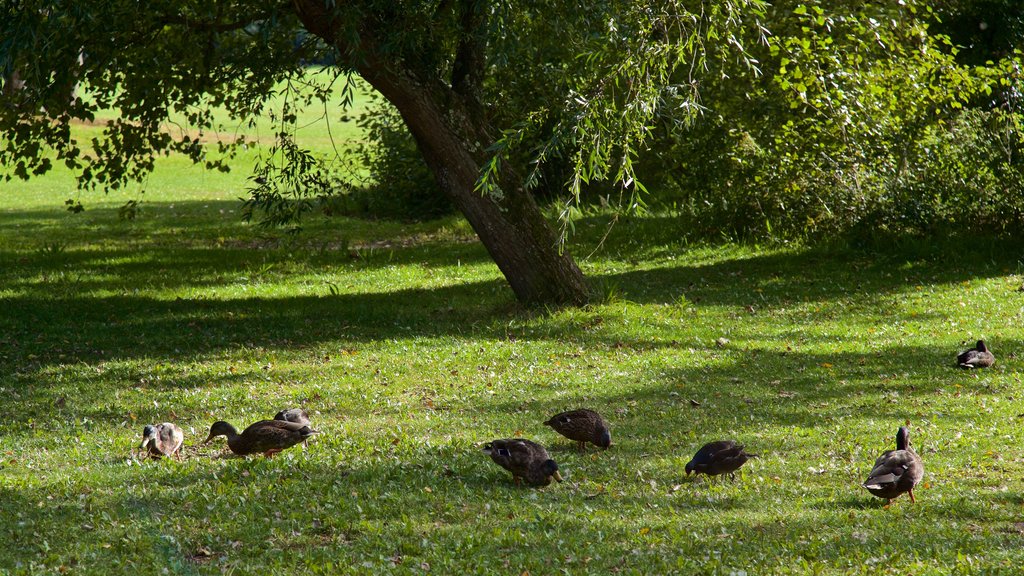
977 357
719 457
896 471
162 440
582 426
266 436
525 460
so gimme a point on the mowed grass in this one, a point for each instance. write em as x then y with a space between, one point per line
408 349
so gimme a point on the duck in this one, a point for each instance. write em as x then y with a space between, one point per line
896 471
718 457
293 415
162 440
297 415
266 436
525 459
583 426
977 357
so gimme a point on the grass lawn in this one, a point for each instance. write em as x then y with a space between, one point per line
409 351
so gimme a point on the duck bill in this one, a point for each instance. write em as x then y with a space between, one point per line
208 438
557 476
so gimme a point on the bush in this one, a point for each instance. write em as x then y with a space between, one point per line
399 184
862 125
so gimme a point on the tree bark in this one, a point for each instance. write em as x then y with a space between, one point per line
452 136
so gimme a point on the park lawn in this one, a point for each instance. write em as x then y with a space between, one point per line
408 349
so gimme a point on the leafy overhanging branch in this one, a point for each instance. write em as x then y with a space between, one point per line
605 118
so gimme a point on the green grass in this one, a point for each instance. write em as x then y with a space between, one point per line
407 347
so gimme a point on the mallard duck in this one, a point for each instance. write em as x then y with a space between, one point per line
162 440
524 459
719 457
582 426
266 436
977 357
896 471
297 415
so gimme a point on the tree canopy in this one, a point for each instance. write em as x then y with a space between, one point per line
489 90
810 116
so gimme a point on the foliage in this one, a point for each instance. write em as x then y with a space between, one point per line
641 63
985 30
399 184
605 74
862 124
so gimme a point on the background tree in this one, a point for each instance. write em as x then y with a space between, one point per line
456 71
867 123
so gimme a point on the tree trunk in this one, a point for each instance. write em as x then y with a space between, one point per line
509 223
453 142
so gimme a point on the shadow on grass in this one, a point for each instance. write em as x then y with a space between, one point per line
55 303
79 306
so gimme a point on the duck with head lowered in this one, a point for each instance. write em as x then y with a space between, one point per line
525 460
266 436
583 426
718 457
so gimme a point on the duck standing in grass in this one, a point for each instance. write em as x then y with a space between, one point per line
896 471
524 459
977 357
266 436
582 426
719 457
162 440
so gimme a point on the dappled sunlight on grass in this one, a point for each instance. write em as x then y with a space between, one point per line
407 347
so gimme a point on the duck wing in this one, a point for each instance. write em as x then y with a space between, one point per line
297 415
576 424
516 454
895 467
273 435
715 450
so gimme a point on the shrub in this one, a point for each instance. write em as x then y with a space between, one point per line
399 184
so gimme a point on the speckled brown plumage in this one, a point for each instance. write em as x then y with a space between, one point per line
583 426
266 436
525 459
896 471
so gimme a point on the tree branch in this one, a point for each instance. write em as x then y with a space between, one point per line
470 57
219 27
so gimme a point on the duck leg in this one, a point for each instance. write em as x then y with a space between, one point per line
270 453
912 499
583 446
